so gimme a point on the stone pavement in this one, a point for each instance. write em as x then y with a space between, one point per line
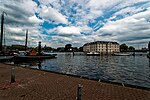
39 85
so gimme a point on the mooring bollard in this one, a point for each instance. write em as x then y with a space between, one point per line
73 53
79 92
12 74
39 65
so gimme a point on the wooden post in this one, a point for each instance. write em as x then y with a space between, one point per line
39 65
149 52
73 53
39 48
79 92
12 74
149 47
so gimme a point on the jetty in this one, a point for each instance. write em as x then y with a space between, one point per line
40 85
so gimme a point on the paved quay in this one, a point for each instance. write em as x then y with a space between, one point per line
39 85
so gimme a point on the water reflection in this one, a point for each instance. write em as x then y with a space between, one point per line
127 69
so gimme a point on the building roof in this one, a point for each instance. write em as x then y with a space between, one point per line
104 42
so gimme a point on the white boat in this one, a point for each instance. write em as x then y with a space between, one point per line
93 54
122 54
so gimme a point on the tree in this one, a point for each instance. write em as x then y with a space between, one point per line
131 48
68 47
123 47
60 49
81 49
75 49
47 48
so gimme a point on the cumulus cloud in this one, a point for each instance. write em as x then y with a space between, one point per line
51 14
57 22
34 19
130 29
20 16
70 30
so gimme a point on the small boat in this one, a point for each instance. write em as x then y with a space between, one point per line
93 54
47 54
24 56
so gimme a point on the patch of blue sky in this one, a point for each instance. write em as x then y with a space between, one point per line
37 15
98 27
37 1
109 13
48 25
48 35
146 5
118 17
100 20
71 15
137 5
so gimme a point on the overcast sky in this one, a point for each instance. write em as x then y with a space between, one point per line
59 22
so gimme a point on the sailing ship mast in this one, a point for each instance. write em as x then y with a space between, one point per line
26 40
2 27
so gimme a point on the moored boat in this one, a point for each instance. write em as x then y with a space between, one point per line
93 54
30 56
122 54
25 58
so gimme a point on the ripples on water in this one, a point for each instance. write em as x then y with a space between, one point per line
126 69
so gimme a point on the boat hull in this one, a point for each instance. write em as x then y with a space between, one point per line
31 58
121 54
93 54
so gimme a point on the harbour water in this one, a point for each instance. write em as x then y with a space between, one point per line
134 70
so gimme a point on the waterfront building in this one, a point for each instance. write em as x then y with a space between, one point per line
101 47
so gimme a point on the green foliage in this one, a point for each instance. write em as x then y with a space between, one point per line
47 48
131 48
68 47
81 49
123 47
16 47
